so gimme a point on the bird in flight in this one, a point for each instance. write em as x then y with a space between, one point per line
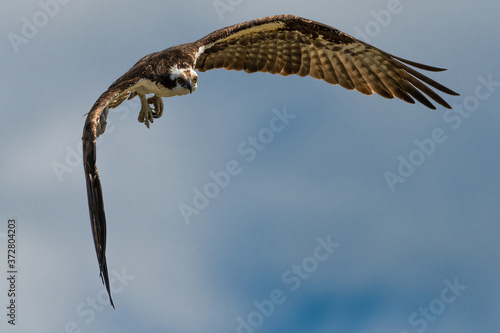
281 44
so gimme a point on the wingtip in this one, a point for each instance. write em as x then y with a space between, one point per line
420 65
437 69
105 280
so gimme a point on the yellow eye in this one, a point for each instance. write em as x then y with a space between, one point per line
195 79
180 80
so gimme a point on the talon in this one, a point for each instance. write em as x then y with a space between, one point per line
146 114
157 103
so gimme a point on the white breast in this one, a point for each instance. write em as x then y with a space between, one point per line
145 86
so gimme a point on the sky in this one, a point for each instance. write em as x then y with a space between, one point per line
351 213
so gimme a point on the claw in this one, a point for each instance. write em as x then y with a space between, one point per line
146 114
157 103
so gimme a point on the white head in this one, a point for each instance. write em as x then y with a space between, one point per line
185 79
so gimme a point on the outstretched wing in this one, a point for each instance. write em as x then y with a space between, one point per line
286 44
95 126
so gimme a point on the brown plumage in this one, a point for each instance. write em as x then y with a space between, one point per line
283 44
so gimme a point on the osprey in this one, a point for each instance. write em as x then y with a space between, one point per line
282 44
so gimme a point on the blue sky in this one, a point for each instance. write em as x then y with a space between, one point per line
307 234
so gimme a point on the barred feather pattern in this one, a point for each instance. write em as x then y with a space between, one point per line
290 45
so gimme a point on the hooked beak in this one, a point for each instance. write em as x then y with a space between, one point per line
190 87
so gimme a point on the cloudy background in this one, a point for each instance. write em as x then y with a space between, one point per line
321 179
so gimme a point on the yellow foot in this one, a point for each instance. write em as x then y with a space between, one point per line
157 103
147 114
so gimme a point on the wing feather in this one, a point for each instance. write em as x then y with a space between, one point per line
353 73
364 75
287 55
385 83
286 45
305 61
295 53
375 82
271 56
342 73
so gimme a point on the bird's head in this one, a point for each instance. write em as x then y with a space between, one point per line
186 80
